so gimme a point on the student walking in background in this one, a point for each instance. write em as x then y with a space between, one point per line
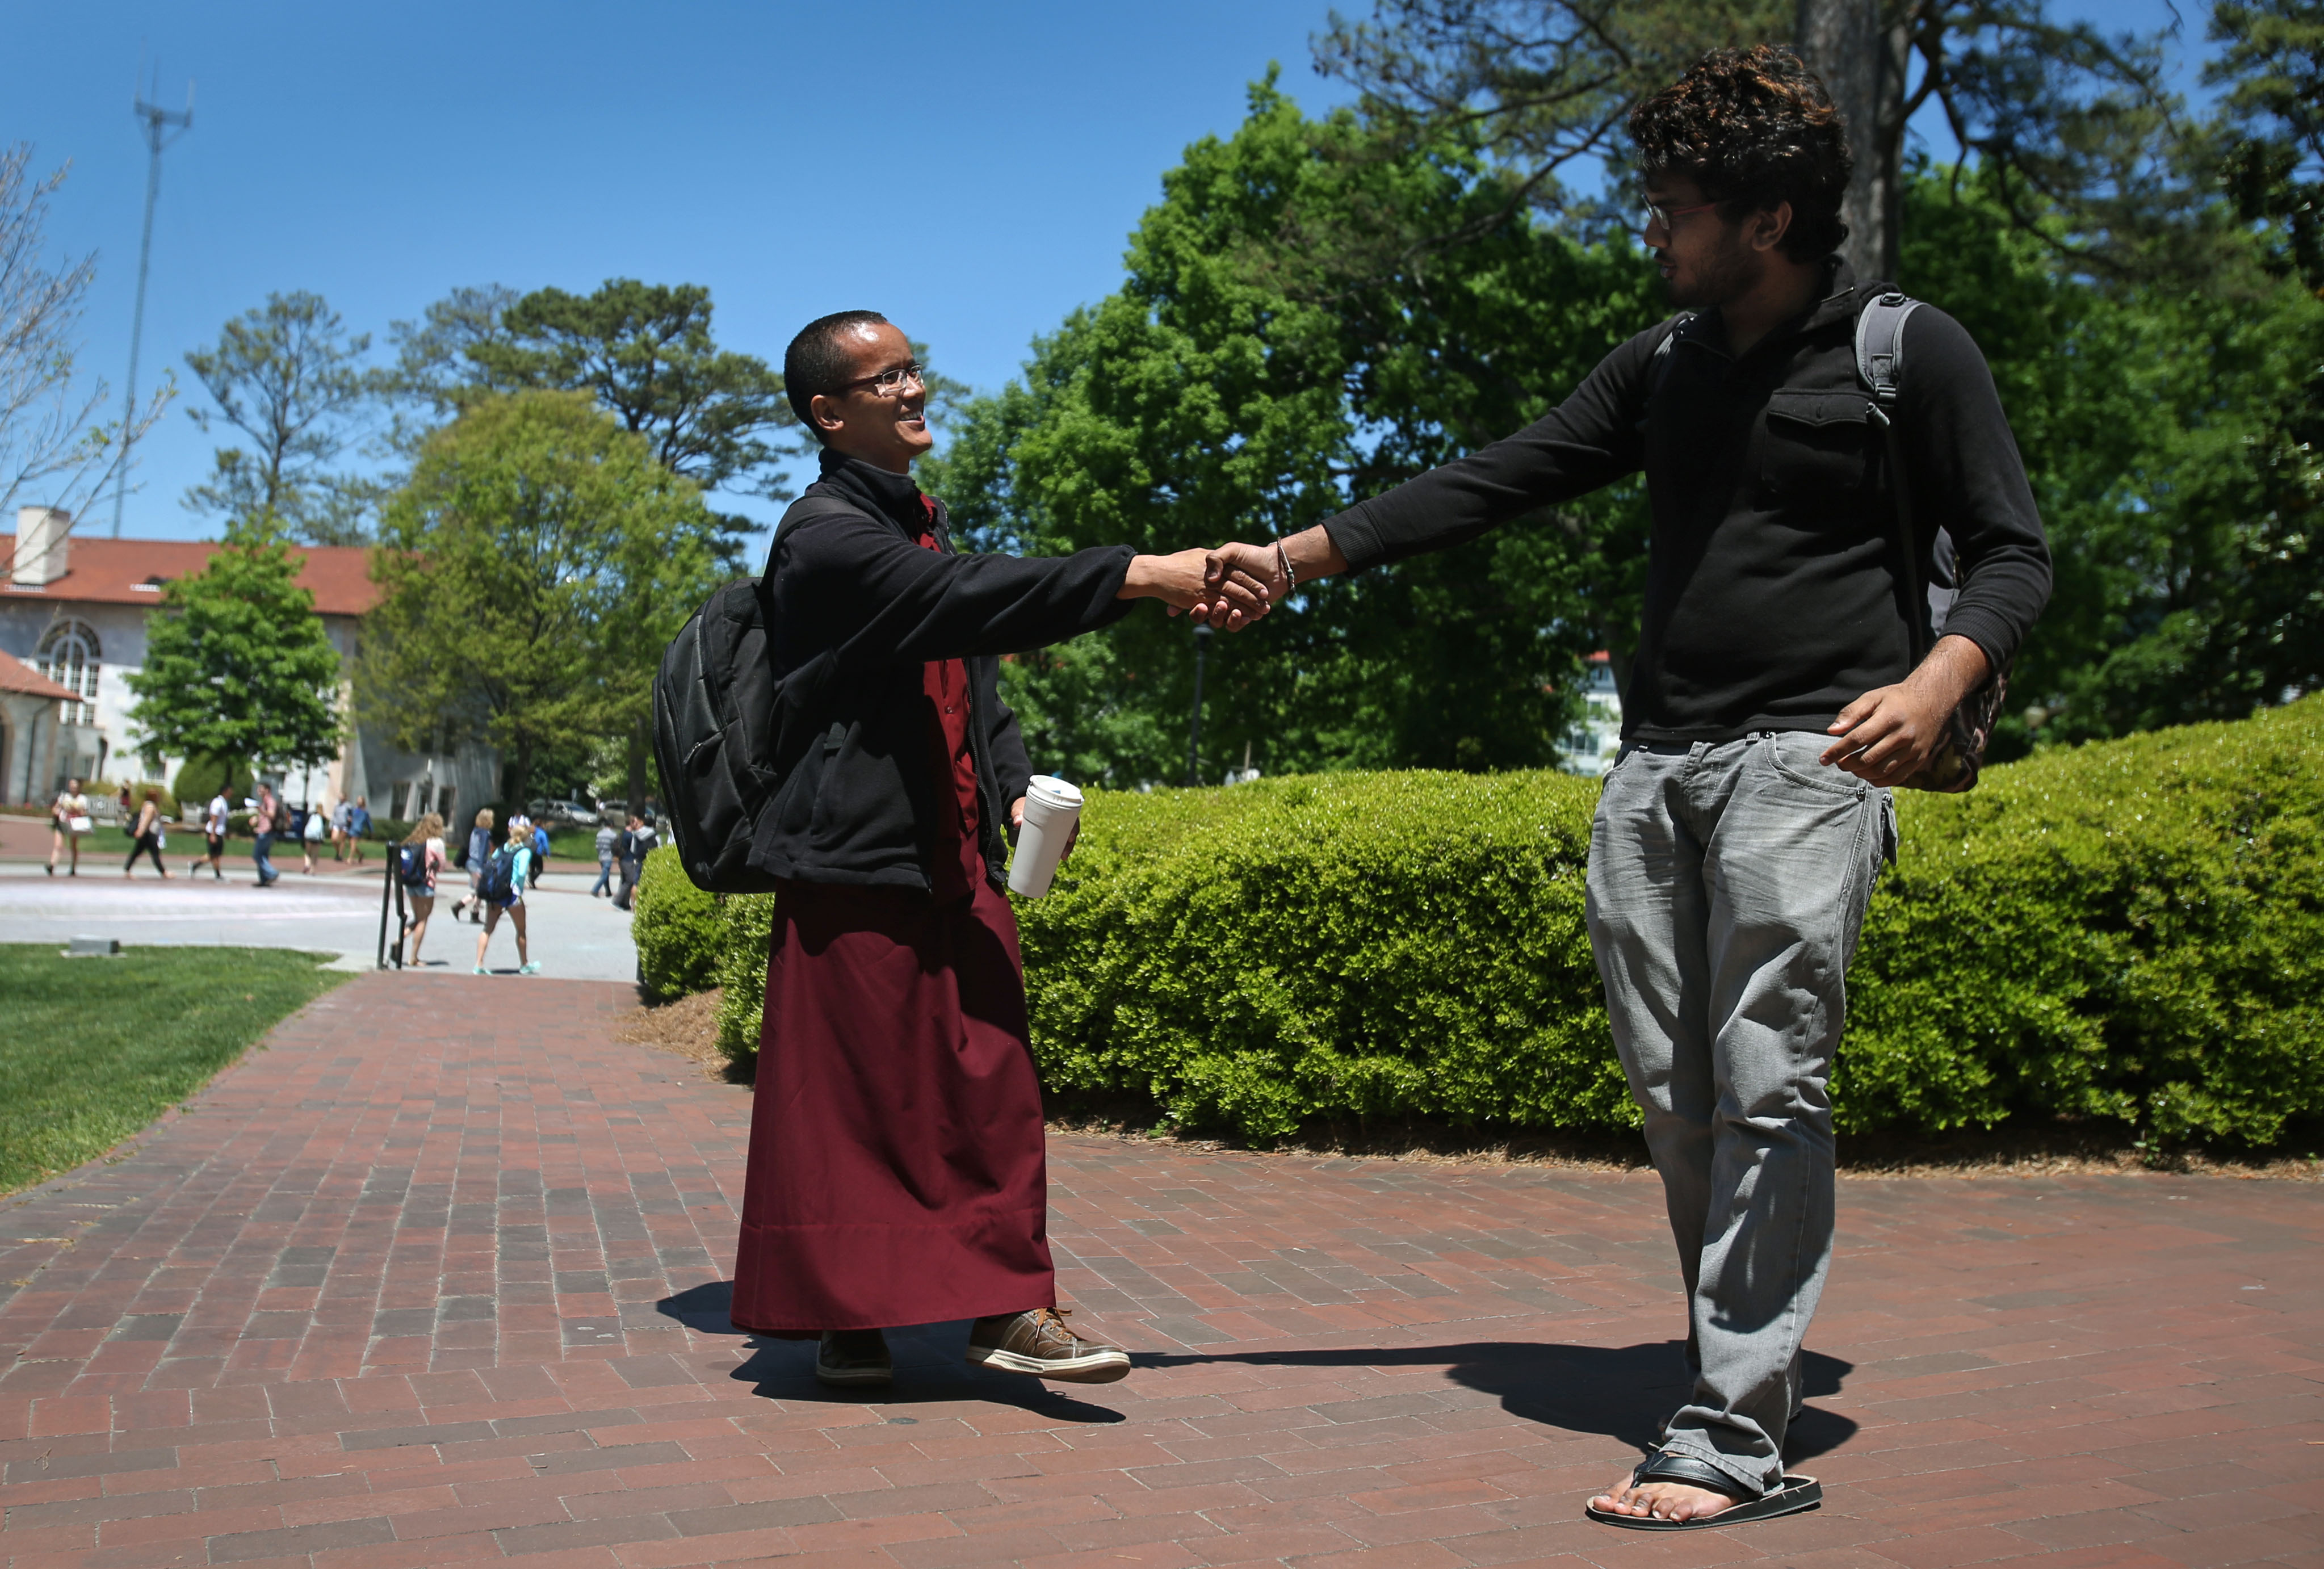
502 888
480 850
312 833
341 816
608 836
146 837
631 847
359 827
539 850
69 820
214 821
421 855
262 826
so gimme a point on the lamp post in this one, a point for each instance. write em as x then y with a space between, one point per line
1195 730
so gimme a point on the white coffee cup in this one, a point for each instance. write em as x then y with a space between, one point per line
1052 808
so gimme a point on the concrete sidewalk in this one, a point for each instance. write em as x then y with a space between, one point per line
573 936
423 1285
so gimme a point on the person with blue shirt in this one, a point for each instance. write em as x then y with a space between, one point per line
480 850
520 846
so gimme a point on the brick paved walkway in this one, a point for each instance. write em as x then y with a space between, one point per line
398 1294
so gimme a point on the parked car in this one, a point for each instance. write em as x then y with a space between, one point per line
562 811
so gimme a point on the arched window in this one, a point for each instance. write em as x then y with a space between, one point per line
69 656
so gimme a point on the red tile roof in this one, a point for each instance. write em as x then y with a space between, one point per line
16 675
103 572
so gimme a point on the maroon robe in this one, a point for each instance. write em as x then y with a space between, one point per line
896 1170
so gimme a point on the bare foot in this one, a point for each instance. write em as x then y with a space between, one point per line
1668 1501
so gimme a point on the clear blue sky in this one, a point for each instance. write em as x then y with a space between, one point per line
970 170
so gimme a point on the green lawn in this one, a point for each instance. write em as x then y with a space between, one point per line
91 1050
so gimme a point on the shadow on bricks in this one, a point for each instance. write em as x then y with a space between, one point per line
1622 1391
929 1368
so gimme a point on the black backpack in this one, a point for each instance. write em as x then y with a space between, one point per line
498 880
728 725
411 866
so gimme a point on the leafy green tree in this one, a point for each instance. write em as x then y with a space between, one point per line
435 369
645 352
1226 391
237 663
535 565
2070 117
290 377
2147 414
2271 123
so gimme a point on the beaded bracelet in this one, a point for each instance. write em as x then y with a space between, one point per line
1282 560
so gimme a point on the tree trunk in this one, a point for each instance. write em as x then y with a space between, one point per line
1858 48
516 778
637 761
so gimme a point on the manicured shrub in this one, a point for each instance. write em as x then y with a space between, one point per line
746 921
201 778
677 929
2131 931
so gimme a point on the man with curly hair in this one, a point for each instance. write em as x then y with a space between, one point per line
1772 703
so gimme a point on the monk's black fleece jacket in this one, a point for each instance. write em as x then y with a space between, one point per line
1773 594
856 606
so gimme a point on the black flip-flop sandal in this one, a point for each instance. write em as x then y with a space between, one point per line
1795 1494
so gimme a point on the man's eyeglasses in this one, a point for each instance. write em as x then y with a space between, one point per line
1660 216
889 382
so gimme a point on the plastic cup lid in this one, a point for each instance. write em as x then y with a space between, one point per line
1054 791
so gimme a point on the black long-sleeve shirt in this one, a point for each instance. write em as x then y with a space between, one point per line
856 606
1773 587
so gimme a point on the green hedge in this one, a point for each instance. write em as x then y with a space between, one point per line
2131 931
677 929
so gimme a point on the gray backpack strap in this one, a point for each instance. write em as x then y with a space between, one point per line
1880 345
1880 365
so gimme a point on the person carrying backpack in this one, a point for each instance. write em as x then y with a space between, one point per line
896 1167
1803 434
420 860
539 850
636 840
501 889
480 850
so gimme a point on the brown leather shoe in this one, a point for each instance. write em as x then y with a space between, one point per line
854 1359
1039 1343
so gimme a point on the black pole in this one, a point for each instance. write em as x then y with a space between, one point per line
386 898
1195 730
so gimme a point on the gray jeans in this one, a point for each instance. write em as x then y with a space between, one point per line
1728 882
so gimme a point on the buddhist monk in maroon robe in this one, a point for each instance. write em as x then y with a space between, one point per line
897 1171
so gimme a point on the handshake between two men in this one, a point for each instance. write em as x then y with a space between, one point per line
1232 585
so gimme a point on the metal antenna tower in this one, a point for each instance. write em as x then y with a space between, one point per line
160 127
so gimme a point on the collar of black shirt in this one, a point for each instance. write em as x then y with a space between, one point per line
893 495
1837 302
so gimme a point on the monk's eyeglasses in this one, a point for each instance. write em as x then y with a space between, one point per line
890 381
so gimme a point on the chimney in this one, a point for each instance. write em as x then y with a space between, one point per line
42 536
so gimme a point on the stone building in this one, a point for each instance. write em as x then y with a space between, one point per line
29 704
75 610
